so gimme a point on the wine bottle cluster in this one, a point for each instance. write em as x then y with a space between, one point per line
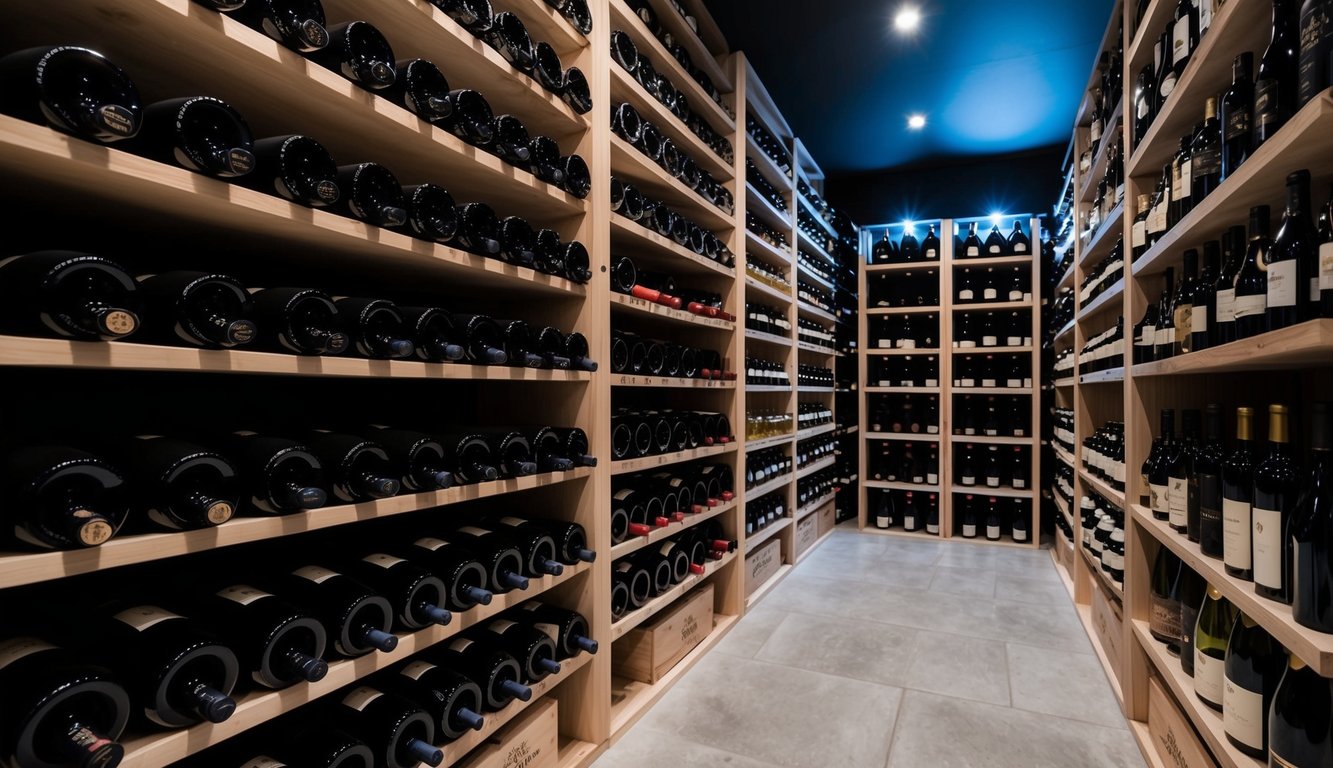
766 373
646 137
1104 454
814 376
1061 313
905 413
816 266
811 332
815 487
992 517
907 249
765 510
1103 526
993 285
631 353
654 570
644 502
1110 192
1105 350
913 511
814 450
812 229
769 144
624 53
992 415
993 466
894 461
996 244
1103 276
1003 371
917 371
660 288
974 329
814 296
656 216
1062 429
774 237
765 188
917 288
644 11
767 319
766 465
774 277
811 415
635 434
1062 484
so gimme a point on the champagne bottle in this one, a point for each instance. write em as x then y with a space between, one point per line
73 89
1019 244
356 619
1254 666
70 294
430 212
452 700
62 498
930 246
996 244
180 485
198 133
1164 619
276 643
371 193
296 168
972 243
279 476
1211 632
203 310
302 321
1293 258
1312 567
398 732
1298 721
1276 493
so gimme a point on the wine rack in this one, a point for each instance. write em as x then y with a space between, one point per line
1236 373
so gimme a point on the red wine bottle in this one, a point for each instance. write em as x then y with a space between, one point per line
531 648
62 498
569 629
452 700
576 446
511 141
419 459
470 458
356 619
431 213
512 452
479 231
492 669
72 89
536 545
464 577
359 470
198 133
70 294
471 119
180 485
276 643
483 341
1312 531
358 51
377 328
422 88
57 709
575 92
497 553
303 321
202 310
1276 495
509 36
434 334
398 732
279 476
551 348
371 193
417 595
517 241
296 168
620 595
297 24
545 161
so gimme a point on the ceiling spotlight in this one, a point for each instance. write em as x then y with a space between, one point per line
908 19
916 122
996 218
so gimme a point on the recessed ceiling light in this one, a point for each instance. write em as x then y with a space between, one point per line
916 122
908 19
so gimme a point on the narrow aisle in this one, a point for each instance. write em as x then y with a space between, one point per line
884 651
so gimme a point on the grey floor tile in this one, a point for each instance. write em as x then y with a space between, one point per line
749 635
938 731
788 717
937 611
1025 589
647 748
1053 625
966 667
802 593
867 569
966 580
912 551
961 554
863 650
1060 683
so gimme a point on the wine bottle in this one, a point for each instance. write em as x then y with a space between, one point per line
512 452
1019 244
884 511
1211 633
483 341
470 458
972 243
1298 721
431 213
1276 83
1315 65
576 445
1321 278
359 470
1182 305
493 670
1191 589
544 159
419 459
1180 475
62 498
72 89
511 140
1254 666
498 554
203 310
996 244
1145 337
279 476
535 544
303 321
569 629
433 334
451 699
1292 259
198 133
1312 568
1237 498
1237 115
509 36
471 119
177 674
1204 302
1208 463
58 709
297 24
1164 619
1233 256
358 51
930 246
356 619
181 486
969 520
479 232
71 294
546 67
533 649
1276 493
399 733
474 15
1159 474
416 595
371 193
276 643
1164 344
1252 280
376 328
296 168
575 91
465 578
578 182
422 88
1206 154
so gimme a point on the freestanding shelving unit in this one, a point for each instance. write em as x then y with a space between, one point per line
1239 373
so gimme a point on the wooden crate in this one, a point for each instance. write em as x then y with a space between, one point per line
1172 735
807 533
530 741
648 652
1108 623
761 564
827 518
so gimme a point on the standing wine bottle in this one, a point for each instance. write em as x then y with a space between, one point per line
376 328
422 88
180 485
398 732
1192 592
1164 619
1254 666
296 168
569 629
493 670
1298 721
1312 531
1233 256
1204 302
198 133
70 294
909 248
1184 38
1293 258
356 619
177 674
1279 74
1182 505
1237 115
279 476
58 710
1252 280
1019 244
1276 493
303 321
297 24
451 699
1206 154
1182 305
61 498
1211 632
1237 498
73 89
1159 474
359 470
277 644
1145 337
972 246
1164 345
371 193
203 310
930 246
432 213
416 595
1208 463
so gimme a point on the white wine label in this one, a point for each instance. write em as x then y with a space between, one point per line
1314 288
144 616
993 482
1020 483
969 530
1326 267
1267 547
1243 714
965 295
972 250
500 626
1199 321
1177 500
1013 383
382 560
460 645
1236 526
1255 304
909 522
990 294
416 669
1015 295
969 479
314 573
513 521
990 341
1208 673
360 697
15 649
1159 496
1139 234
932 478
550 630
473 531
1226 306
242 594
1164 617
263 761
1282 283
431 544
1013 341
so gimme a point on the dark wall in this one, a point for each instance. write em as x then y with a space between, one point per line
1024 182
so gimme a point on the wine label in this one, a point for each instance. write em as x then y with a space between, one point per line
1208 677
416 669
993 482
1180 40
1267 543
360 697
1165 617
1020 483
1282 283
314 573
242 594
431 544
969 479
1326 267
966 294
460 645
263 761
1177 501
1236 528
18 647
1314 288
989 294
1243 714
144 616
500 626
473 531
1016 295
1138 237
1159 495
932 478
969 531
382 560
990 341
1199 321
992 531
973 250
1013 341
1246 306
550 630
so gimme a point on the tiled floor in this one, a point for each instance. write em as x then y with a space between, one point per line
881 651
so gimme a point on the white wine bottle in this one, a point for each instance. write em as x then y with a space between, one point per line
1254 667
1211 632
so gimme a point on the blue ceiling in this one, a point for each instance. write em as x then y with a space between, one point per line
991 76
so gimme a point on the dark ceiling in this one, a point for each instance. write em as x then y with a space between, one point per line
991 76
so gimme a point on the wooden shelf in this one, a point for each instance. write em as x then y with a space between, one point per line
899 532
22 351
636 543
814 506
30 567
767 167
991 350
624 88
768 442
896 486
1067 279
1105 301
822 429
806 273
983 490
1065 456
987 261
1304 346
991 390
686 37
1100 575
633 305
574 753
1207 721
763 489
768 338
915 351
1155 19
1108 376
1261 180
816 390
1084 611
814 213
991 306
915 437
260 706
1065 331
754 244
1144 739
902 390
769 584
759 205
805 346
993 439
1065 382
818 465
1314 648
668 382
630 699
545 23
873 311
661 460
767 532
652 607
812 247
810 310
629 163
766 291
1099 245
1099 161
1107 492
766 388
1063 506
663 251
911 265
